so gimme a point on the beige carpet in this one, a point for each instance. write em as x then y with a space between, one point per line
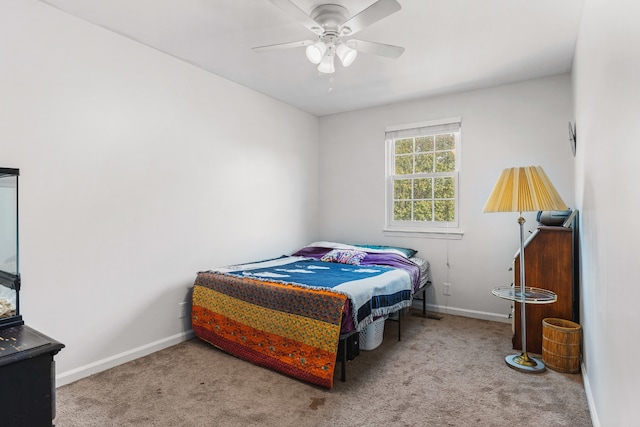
448 372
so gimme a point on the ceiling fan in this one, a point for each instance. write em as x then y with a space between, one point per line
331 23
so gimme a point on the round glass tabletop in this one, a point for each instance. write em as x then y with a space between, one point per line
531 295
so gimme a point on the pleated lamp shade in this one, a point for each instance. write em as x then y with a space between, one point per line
524 189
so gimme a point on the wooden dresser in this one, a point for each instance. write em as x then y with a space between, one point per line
549 264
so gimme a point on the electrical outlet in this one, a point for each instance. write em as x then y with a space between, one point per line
446 288
182 310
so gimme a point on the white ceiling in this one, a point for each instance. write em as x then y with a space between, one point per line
451 45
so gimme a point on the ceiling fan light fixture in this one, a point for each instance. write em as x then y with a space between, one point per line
315 52
346 54
330 23
326 65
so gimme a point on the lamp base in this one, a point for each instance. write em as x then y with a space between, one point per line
524 363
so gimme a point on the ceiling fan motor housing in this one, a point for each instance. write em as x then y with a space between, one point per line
330 17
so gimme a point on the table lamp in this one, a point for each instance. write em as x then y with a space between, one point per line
524 189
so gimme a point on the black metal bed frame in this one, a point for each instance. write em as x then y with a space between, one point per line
344 337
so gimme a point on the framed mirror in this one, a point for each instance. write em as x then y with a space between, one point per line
572 138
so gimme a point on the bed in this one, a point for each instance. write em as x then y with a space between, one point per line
292 313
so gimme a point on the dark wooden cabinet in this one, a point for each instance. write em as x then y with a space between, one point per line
27 377
549 264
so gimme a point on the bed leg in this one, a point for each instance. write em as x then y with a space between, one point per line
343 363
424 303
399 324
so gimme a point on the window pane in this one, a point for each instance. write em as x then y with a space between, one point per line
404 165
424 163
445 161
402 211
444 210
444 188
402 189
424 144
422 211
404 146
423 178
445 142
422 188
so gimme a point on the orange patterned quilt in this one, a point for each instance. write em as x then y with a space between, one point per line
288 328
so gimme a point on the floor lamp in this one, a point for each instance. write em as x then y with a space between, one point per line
524 189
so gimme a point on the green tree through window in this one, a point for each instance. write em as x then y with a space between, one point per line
422 175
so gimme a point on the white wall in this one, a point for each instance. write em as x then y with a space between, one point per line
137 171
515 125
607 98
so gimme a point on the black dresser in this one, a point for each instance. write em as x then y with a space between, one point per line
27 377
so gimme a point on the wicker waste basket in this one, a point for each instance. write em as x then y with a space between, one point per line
561 345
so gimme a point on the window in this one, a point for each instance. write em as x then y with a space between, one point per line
423 167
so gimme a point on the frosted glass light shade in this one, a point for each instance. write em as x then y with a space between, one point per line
524 189
346 54
326 65
316 51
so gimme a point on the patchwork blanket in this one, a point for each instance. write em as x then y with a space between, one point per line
290 329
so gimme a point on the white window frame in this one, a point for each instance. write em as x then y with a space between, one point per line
437 229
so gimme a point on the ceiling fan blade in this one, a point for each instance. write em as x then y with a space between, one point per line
388 50
280 46
374 13
293 10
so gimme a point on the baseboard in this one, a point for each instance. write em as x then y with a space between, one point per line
587 389
127 356
417 304
118 359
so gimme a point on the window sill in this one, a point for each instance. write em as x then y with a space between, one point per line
445 233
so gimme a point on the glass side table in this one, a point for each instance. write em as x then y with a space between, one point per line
524 362
531 295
